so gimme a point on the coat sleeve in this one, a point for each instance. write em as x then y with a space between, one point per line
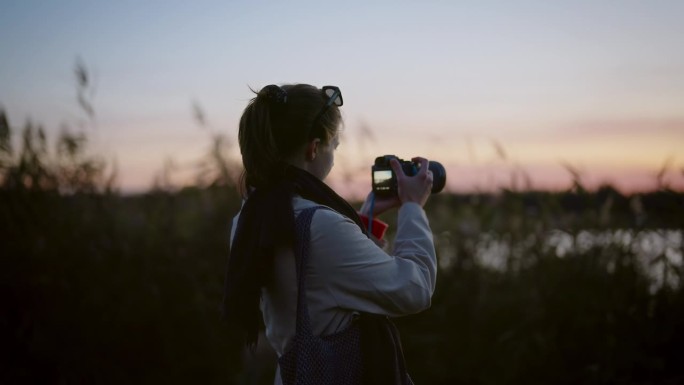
360 276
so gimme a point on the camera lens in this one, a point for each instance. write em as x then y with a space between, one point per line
438 176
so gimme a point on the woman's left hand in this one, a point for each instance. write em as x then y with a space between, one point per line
381 205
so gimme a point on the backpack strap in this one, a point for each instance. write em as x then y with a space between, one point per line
301 252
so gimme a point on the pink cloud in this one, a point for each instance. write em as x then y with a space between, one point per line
628 127
468 178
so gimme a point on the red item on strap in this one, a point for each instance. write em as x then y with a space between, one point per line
379 227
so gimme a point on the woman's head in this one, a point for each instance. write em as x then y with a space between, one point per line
282 124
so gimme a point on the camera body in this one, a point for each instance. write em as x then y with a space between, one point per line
384 179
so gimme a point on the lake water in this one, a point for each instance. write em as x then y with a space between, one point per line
657 251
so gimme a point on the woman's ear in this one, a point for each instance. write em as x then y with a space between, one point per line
312 149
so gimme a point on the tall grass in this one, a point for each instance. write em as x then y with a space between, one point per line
534 287
593 314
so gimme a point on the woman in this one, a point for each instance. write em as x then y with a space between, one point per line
288 136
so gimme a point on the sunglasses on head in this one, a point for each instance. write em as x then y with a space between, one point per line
334 96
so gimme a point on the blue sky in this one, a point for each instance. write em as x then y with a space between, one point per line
597 85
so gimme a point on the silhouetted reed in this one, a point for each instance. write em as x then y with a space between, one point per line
534 287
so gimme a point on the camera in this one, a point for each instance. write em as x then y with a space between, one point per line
385 181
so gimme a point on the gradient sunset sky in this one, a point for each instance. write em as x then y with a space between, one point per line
504 93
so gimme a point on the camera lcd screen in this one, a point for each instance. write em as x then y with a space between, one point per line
382 180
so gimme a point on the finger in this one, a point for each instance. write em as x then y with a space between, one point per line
397 169
424 165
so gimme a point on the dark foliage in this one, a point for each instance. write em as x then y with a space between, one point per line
98 287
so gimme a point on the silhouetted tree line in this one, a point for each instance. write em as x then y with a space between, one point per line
99 287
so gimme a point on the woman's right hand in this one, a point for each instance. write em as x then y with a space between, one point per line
415 188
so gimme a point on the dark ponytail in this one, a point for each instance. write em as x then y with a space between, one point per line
274 127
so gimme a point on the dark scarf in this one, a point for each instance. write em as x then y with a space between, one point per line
266 224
